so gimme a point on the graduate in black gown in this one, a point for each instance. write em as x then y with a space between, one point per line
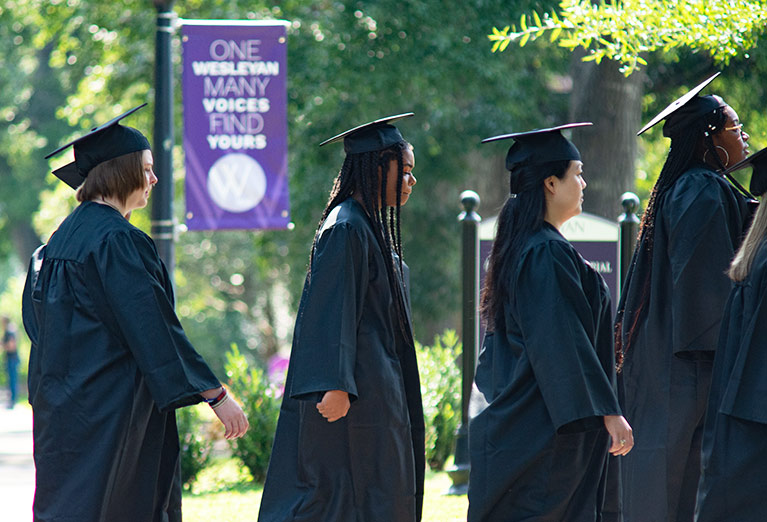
109 361
672 302
733 484
539 449
349 445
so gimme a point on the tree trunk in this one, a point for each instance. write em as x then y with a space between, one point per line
25 240
20 196
270 344
603 95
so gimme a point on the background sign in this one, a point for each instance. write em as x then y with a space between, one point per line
595 238
235 124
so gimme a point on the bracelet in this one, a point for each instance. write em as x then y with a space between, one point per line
219 403
217 399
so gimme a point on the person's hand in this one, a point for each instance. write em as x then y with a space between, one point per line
621 434
334 405
233 418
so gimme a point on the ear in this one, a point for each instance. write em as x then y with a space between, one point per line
550 185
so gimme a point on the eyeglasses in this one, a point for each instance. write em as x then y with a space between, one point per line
738 127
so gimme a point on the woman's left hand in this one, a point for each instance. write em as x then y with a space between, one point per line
334 405
621 434
233 418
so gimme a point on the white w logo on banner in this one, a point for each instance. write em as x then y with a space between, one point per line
236 182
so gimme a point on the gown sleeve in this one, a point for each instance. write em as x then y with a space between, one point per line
483 377
30 299
703 236
139 307
30 312
325 340
743 351
558 329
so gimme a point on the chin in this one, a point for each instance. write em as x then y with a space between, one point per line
743 156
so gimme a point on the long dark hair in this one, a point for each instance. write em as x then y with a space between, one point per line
360 175
687 143
522 214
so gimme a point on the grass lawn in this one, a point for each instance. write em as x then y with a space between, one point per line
224 492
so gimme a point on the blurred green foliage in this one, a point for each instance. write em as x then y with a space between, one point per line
260 401
439 367
194 443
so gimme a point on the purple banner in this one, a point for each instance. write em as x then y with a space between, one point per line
235 124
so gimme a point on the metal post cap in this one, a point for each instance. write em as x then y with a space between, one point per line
629 202
469 200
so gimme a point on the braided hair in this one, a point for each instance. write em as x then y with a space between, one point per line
365 174
688 139
522 214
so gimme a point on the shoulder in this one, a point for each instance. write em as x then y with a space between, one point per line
101 231
131 233
550 241
86 230
344 239
758 271
546 247
347 219
127 252
699 182
127 236
700 192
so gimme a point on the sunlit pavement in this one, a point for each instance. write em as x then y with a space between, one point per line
17 470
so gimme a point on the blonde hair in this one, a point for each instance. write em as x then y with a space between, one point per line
744 258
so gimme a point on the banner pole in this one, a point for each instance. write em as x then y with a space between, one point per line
163 223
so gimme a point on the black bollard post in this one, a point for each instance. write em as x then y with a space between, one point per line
470 221
163 225
629 223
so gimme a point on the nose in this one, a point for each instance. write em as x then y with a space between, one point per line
410 179
583 183
744 135
152 178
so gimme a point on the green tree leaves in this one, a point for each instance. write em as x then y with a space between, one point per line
623 30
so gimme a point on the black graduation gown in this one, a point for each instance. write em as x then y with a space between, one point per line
666 374
369 465
108 365
733 483
539 449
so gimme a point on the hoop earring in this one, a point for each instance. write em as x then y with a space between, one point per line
727 155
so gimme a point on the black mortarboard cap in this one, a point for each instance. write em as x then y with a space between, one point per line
372 136
685 110
757 160
540 146
102 143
